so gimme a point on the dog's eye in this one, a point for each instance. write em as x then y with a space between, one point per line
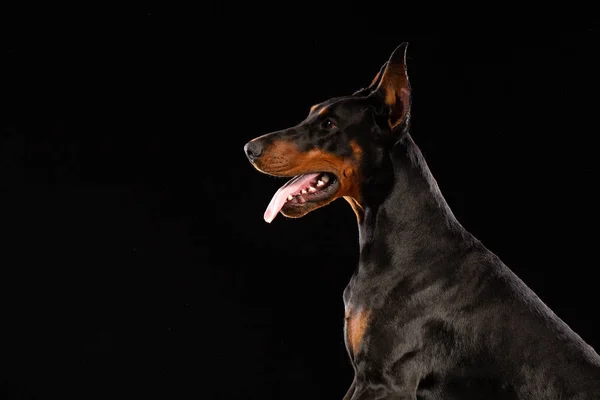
328 125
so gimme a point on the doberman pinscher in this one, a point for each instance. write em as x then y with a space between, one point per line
431 313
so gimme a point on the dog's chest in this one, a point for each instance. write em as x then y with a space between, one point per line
356 324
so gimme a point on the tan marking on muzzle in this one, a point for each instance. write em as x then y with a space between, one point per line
282 158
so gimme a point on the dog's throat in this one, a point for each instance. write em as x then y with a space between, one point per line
298 191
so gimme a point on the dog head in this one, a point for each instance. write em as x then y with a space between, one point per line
337 151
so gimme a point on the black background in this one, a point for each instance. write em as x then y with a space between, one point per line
135 260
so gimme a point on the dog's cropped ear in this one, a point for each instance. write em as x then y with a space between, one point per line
374 83
394 88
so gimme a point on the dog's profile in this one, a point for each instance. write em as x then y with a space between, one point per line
431 313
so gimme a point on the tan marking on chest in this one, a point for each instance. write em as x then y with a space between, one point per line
357 321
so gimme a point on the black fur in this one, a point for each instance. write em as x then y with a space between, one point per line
448 319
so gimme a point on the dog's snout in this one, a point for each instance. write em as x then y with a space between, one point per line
253 150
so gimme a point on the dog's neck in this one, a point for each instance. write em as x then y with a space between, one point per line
410 220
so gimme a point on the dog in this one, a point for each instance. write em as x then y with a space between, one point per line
430 312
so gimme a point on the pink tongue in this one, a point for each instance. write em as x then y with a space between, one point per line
292 187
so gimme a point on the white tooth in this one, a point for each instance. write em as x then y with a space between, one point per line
303 191
312 189
289 197
320 183
325 178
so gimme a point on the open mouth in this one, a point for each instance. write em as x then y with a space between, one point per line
300 190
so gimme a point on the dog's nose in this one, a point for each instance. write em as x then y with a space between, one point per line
253 150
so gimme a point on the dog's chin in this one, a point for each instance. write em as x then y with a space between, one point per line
300 210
